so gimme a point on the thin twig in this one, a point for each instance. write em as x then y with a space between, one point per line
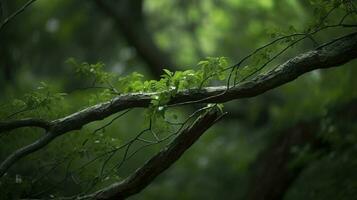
12 16
111 121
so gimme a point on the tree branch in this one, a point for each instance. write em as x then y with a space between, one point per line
160 162
332 54
8 19
337 53
14 124
26 150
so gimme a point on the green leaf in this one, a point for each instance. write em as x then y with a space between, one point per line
168 72
220 107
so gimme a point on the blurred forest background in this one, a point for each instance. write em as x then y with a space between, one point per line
298 141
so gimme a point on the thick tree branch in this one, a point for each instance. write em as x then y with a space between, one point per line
13 124
332 54
160 162
26 150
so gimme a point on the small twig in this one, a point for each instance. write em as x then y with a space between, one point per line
160 161
91 87
111 121
29 108
273 58
324 18
8 19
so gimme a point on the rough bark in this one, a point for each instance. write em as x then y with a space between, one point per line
143 176
329 55
9 125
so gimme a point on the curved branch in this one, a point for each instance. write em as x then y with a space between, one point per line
332 54
26 150
14 124
160 162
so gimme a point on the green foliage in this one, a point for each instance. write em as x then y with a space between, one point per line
218 162
101 96
209 70
212 68
130 83
91 70
44 96
322 10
